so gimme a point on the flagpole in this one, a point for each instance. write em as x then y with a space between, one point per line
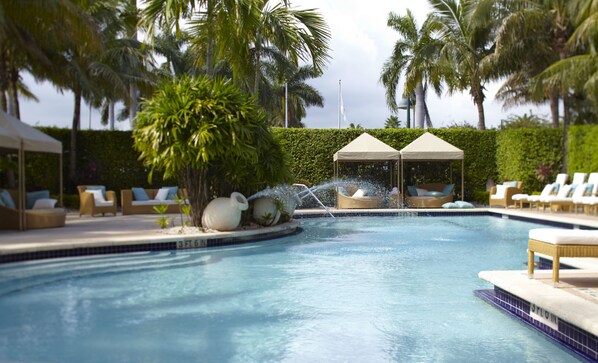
339 104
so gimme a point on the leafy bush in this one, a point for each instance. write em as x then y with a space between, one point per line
522 152
583 149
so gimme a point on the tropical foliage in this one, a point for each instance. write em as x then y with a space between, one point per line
212 136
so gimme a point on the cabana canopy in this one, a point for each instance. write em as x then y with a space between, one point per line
430 147
15 134
366 148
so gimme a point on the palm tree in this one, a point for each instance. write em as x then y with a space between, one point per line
300 94
415 54
392 122
466 31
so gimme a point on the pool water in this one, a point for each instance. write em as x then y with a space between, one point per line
368 289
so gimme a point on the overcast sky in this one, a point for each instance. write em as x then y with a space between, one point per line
360 44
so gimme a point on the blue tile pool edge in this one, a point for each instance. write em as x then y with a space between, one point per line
579 341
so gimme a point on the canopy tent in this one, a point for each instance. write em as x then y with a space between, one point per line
429 147
16 135
366 148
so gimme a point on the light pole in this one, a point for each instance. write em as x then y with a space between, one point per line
405 104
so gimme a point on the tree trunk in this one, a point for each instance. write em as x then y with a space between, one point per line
256 76
111 115
566 118
73 147
210 45
13 92
3 78
419 106
428 119
554 108
133 105
481 118
196 182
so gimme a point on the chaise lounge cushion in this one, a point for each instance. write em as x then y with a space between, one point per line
564 236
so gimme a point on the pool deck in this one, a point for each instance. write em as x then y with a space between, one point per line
575 300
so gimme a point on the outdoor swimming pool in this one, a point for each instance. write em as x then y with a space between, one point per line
365 289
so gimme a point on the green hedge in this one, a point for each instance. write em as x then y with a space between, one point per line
108 157
520 152
583 149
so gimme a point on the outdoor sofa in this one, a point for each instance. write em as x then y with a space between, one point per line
431 195
47 217
142 205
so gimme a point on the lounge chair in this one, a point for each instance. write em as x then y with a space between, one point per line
588 202
549 189
431 195
568 202
502 195
558 243
352 198
564 193
95 199
49 217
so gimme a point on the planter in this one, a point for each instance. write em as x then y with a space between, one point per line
224 214
265 211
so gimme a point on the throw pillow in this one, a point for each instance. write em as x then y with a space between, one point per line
44 203
343 191
7 199
449 206
97 195
412 190
172 192
421 192
97 187
448 189
510 184
139 194
500 192
360 193
462 204
31 197
162 194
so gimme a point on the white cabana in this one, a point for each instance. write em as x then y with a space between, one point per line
16 135
366 148
429 147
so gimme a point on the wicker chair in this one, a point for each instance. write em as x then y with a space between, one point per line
87 203
506 199
425 201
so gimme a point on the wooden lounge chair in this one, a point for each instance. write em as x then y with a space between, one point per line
89 205
558 243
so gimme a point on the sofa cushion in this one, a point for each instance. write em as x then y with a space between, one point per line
162 194
448 189
421 192
32 197
139 194
98 197
7 199
153 202
44 203
433 193
500 192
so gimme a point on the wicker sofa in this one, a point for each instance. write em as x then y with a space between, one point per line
366 202
429 201
131 206
34 218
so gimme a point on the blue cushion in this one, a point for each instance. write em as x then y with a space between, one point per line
462 204
434 194
343 191
139 194
7 199
172 192
589 188
31 197
556 187
510 184
97 187
449 206
448 189
2 204
412 190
